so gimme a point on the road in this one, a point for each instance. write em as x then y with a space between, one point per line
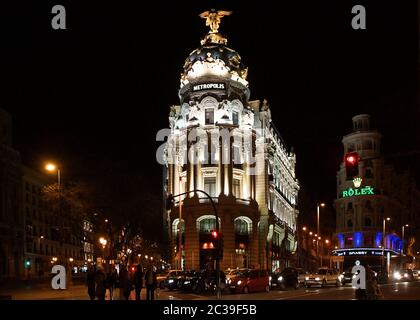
393 291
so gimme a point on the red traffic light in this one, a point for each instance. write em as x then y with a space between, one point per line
351 159
214 234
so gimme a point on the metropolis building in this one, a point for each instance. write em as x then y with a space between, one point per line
376 212
226 145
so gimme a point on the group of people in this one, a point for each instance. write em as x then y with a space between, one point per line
98 282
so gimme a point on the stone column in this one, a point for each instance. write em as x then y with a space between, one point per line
192 249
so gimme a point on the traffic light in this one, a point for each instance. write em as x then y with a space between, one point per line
169 202
351 161
27 263
214 234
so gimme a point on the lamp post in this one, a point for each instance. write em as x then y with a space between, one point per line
317 228
402 238
383 243
218 292
51 167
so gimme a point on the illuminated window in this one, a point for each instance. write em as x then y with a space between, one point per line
209 115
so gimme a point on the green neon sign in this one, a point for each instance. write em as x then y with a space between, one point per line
350 192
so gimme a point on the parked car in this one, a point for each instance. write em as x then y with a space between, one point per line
288 278
403 275
323 277
251 280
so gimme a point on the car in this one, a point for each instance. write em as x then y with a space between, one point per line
301 275
171 281
230 273
160 277
403 275
416 273
346 277
289 277
187 280
323 277
205 281
251 280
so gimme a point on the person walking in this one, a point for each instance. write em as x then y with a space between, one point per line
100 280
151 283
111 280
90 282
125 284
138 281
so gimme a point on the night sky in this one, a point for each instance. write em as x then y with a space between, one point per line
92 97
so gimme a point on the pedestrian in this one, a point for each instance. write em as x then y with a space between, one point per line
90 282
125 284
100 280
111 280
138 281
151 283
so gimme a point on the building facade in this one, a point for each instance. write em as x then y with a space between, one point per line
376 211
50 236
11 222
226 145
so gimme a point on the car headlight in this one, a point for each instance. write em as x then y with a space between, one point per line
187 282
229 281
170 280
239 282
269 278
397 275
405 275
354 276
376 274
280 278
340 277
317 279
306 278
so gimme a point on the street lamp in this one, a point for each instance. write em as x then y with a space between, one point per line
317 227
52 168
402 238
383 242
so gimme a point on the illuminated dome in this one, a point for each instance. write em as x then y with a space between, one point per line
214 58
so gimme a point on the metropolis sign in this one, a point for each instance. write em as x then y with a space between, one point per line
209 86
350 192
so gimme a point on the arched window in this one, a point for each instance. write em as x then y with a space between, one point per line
349 223
175 227
206 224
368 222
243 226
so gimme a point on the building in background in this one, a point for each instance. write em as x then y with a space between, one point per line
11 220
377 210
256 201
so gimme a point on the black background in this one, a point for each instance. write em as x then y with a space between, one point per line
93 96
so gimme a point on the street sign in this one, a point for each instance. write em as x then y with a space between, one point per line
338 258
